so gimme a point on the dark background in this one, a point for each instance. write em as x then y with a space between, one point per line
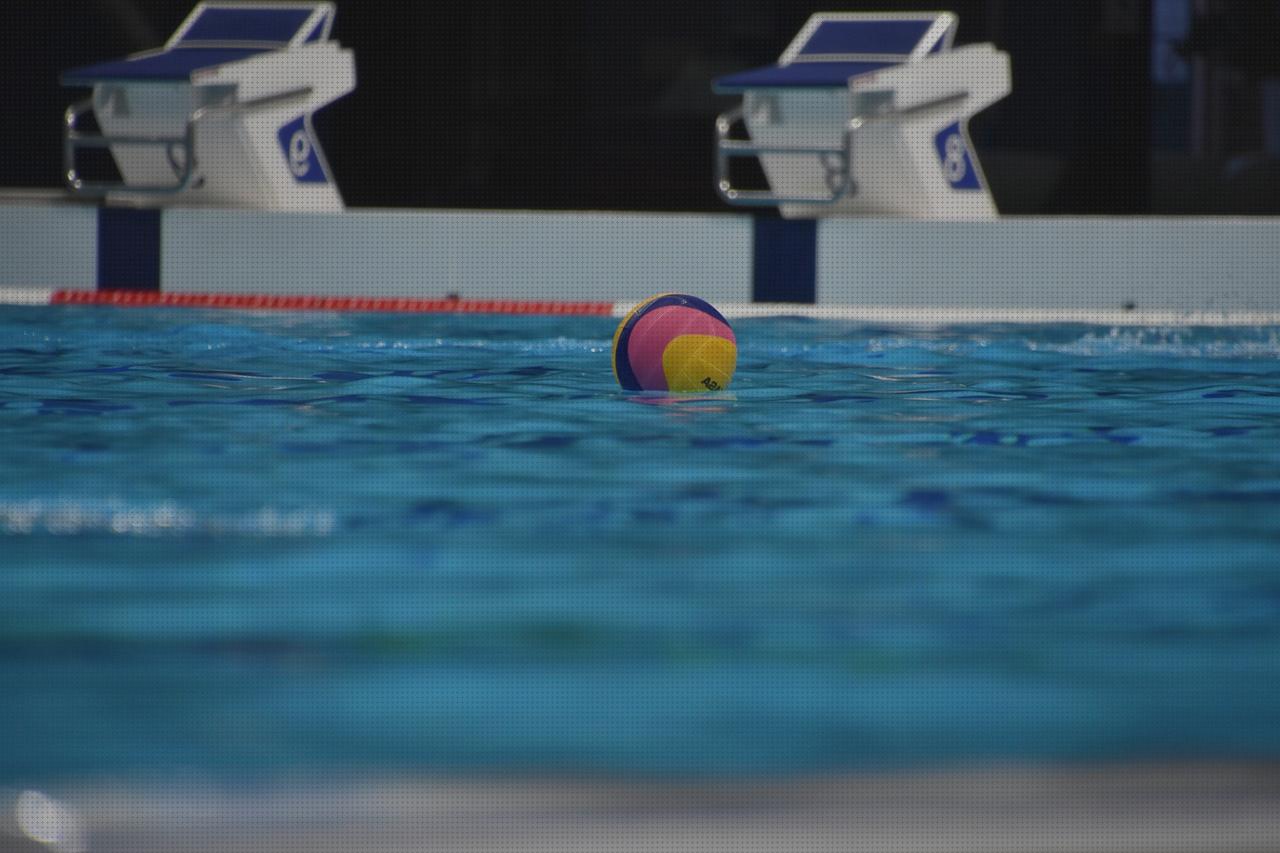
1118 106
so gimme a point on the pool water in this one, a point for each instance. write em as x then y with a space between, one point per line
242 544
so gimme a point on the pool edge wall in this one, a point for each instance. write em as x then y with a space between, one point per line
1046 264
1184 264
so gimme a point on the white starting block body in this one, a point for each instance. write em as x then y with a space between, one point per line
866 114
221 115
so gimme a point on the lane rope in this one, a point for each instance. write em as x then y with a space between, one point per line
931 316
305 302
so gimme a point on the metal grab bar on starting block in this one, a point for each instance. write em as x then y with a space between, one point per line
73 140
727 148
184 167
839 178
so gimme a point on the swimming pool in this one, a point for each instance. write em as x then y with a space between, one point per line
241 544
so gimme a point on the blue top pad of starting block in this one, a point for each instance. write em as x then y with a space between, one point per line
859 38
177 64
211 35
244 24
796 75
832 48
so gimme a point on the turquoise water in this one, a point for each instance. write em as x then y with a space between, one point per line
238 544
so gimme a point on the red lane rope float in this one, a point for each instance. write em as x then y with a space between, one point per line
300 302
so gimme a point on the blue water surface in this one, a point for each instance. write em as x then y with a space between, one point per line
242 544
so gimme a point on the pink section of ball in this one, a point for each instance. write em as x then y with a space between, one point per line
652 332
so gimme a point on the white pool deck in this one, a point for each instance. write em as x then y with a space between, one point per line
1161 808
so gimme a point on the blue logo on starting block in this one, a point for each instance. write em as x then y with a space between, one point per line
300 152
957 165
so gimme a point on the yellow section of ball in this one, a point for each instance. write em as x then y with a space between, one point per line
699 363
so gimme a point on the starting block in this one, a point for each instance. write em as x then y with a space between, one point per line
221 115
865 114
